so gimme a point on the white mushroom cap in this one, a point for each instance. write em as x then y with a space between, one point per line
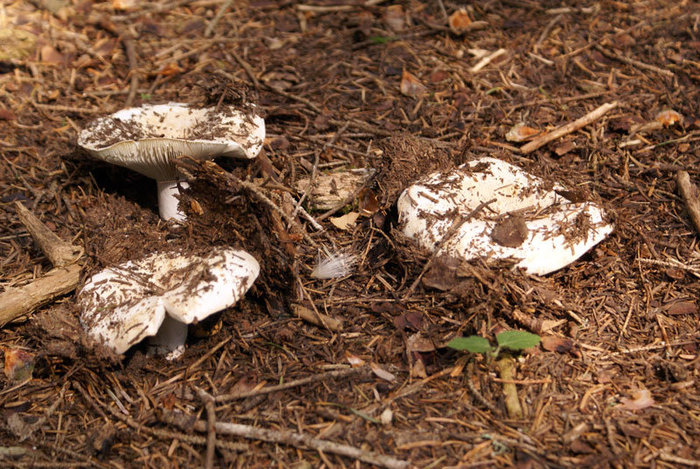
147 138
124 304
557 231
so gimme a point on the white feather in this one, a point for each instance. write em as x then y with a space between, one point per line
336 265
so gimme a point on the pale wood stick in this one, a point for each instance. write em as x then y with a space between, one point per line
592 116
63 279
298 440
16 302
689 191
59 252
317 318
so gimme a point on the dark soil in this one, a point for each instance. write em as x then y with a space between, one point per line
327 76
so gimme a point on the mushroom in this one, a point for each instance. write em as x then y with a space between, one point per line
527 220
148 138
159 295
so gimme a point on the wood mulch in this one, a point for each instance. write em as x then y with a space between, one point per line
365 380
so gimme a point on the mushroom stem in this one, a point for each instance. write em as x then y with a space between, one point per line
168 193
170 338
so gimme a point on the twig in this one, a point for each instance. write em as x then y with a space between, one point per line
217 18
487 60
317 318
208 401
257 191
690 195
301 440
59 252
128 42
62 279
293 384
568 128
192 439
635 63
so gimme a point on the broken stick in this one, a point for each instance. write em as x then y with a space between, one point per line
62 279
690 195
566 129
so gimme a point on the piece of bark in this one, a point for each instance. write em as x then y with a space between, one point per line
62 279
16 302
690 195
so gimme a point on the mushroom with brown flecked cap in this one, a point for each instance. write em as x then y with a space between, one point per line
159 295
523 218
148 138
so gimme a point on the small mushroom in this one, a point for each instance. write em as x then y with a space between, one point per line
160 295
527 220
148 138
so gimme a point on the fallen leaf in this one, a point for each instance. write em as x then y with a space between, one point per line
381 372
564 148
418 370
641 399
6 115
412 319
521 133
49 55
459 21
19 364
123 5
669 117
411 86
386 416
682 307
395 17
354 360
418 343
367 202
556 344
345 222
170 69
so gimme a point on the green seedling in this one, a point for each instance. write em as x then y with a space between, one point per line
511 340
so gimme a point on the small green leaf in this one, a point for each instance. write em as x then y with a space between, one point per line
473 344
517 340
380 39
146 96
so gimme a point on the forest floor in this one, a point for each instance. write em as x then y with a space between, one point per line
386 86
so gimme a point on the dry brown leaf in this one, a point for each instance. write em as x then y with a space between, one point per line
669 117
418 343
345 222
521 133
19 364
411 86
49 55
367 202
124 5
395 17
6 115
354 360
682 307
381 372
459 21
641 399
556 344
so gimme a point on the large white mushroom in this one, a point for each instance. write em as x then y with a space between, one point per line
147 138
527 220
159 295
